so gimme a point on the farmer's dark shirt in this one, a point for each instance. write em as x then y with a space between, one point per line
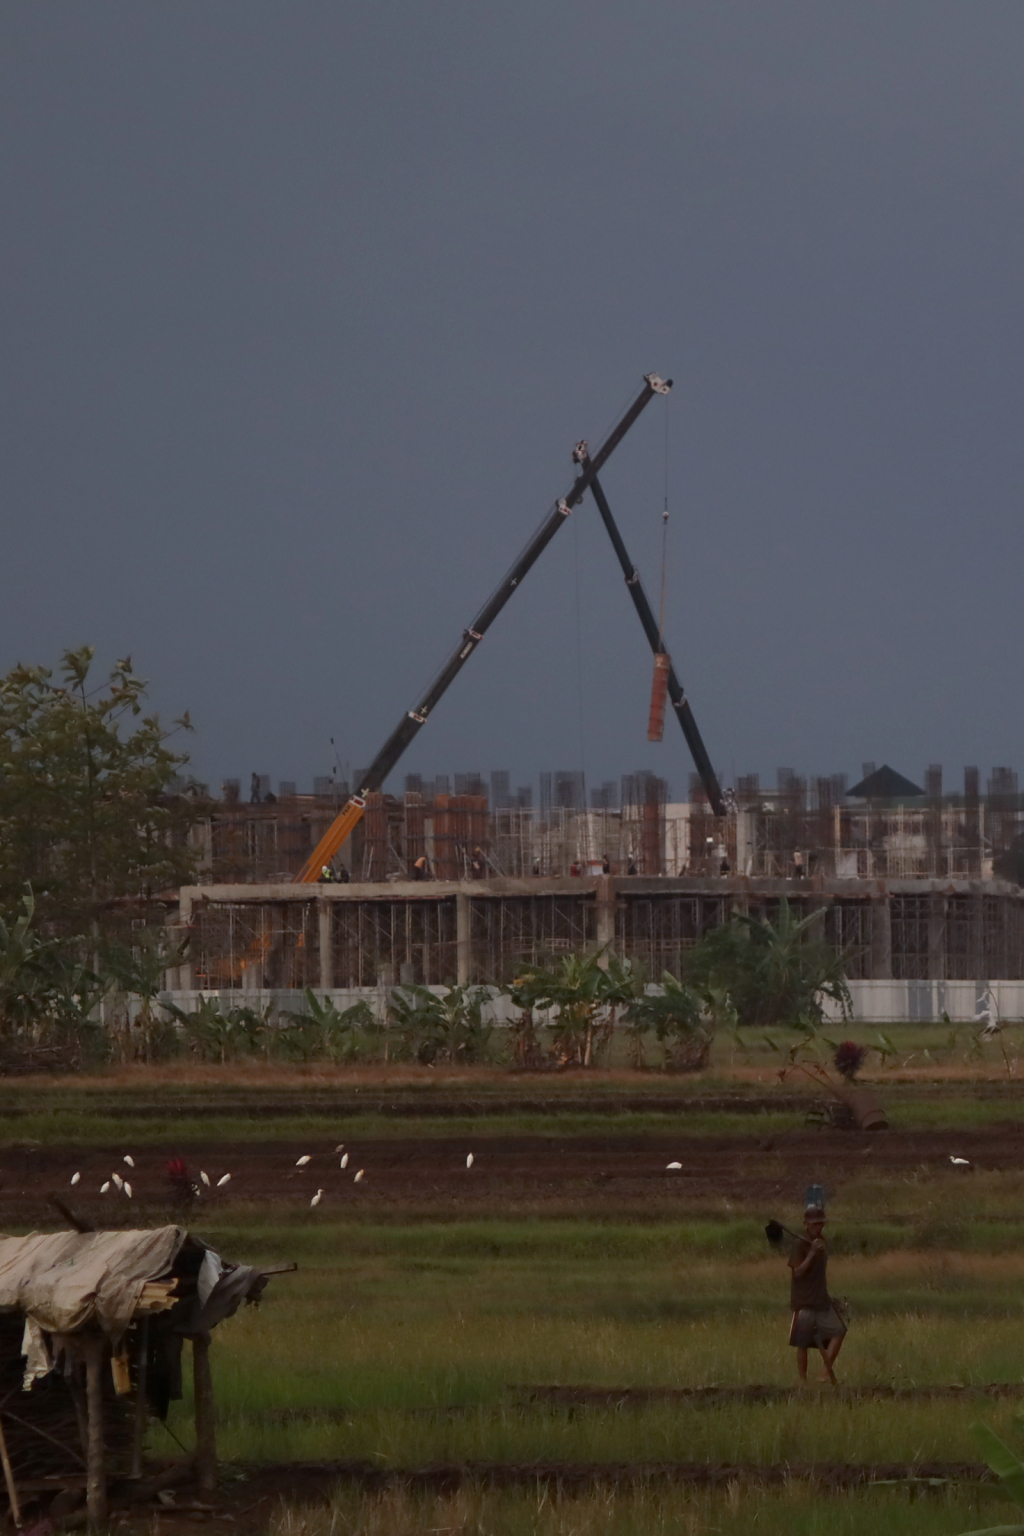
808 1290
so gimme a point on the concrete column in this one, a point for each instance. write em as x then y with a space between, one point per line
936 937
605 911
881 939
463 939
185 919
326 949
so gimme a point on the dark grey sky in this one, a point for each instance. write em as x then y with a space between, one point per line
306 303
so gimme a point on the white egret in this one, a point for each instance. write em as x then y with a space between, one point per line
340 1147
129 1160
75 1178
358 1176
469 1160
960 1162
104 1188
317 1197
225 1180
344 1161
673 1167
117 1179
303 1161
127 1189
205 1177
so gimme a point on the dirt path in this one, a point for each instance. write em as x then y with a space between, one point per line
582 1174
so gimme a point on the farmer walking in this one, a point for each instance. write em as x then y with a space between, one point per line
816 1322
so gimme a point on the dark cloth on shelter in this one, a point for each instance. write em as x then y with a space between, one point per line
810 1290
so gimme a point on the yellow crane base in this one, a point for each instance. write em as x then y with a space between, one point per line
340 829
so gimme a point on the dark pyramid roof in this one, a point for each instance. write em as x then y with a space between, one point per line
885 784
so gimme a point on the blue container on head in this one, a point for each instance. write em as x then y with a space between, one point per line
814 1199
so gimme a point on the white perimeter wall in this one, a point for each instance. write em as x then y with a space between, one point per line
874 1002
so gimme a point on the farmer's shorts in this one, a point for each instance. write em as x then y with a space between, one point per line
812 1330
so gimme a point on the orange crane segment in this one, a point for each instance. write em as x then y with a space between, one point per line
341 827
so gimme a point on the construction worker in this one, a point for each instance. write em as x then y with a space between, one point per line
326 876
606 864
798 865
816 1322
477 864
421 869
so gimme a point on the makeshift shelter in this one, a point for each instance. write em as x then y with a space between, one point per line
92 1327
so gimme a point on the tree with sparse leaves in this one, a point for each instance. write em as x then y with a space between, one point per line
88 816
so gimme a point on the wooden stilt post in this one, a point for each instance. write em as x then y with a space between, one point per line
12 1490
96 1481
140 1397
206 1429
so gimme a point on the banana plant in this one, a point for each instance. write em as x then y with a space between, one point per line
586 990
448 1028
683 1020
325 1032
1009 1469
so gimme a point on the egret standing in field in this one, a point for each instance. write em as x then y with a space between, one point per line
344 1161
205 1177
306 1158
225 1180
358 1176
75 1178
959 1162
317 1197
469 1160
129 1160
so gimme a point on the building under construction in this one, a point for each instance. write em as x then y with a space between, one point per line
915 888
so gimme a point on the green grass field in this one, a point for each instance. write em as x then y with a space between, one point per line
406 1340
404 1346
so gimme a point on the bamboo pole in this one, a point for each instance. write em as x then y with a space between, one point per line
206 1429
12 1490
96 1482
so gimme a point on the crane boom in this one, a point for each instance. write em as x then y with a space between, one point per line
680 702
413 721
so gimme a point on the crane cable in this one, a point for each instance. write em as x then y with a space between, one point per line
664 542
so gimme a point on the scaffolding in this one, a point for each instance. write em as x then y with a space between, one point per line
287 937
801 828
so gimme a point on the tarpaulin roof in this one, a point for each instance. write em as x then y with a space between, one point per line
64 1280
